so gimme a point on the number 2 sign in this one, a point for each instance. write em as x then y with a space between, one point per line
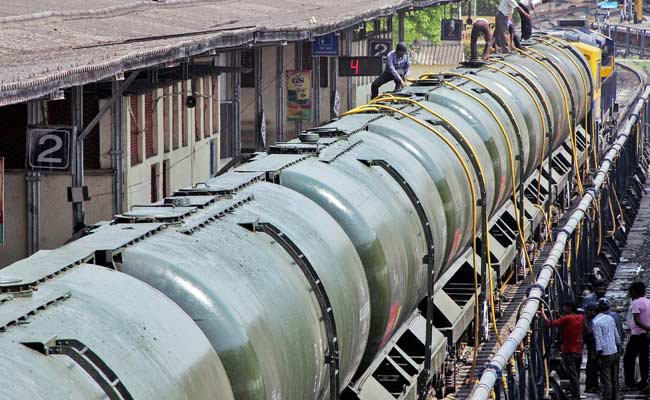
49 148
379 47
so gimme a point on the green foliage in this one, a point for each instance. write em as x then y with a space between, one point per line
418 25
421 24
486 7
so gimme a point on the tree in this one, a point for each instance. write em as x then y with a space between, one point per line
486 7
421 24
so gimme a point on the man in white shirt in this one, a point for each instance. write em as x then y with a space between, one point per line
526 23
608 345
504 14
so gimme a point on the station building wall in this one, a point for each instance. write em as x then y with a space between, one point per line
166 146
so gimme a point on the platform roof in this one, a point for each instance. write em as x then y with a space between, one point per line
52 44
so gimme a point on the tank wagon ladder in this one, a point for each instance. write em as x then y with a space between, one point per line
332 358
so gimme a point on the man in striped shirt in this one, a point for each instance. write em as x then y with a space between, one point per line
608 345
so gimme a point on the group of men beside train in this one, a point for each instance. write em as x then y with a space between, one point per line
600 330
398 63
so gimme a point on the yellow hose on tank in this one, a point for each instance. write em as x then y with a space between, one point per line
566 110
471 149
541 162
584 86
470 181
547 220
539 111
510 154
593 130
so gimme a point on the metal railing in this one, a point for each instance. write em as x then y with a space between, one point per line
629 41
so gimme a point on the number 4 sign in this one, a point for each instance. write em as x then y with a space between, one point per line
354 65
49 148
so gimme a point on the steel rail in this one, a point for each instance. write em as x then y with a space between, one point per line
499 361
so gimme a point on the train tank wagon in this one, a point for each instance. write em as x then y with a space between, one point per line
307 268
93 333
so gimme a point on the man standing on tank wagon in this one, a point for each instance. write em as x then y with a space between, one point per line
504 14
526 23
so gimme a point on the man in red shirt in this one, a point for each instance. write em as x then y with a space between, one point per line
571 324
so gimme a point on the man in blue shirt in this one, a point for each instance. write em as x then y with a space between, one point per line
608 346
398 67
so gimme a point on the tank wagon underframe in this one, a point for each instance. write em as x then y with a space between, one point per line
307 270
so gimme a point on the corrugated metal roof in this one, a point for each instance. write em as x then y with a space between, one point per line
444 54
51 44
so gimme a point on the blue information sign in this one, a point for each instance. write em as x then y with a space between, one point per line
327 45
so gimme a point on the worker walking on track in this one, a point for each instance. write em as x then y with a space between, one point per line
397 69
638 345
504 14
480 27
572 324
608 345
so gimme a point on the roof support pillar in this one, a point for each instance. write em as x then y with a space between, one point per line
116 146
259 105
78 217
235 61
348 52
279 93
298 63
33 178
400 26
315 85
332 84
